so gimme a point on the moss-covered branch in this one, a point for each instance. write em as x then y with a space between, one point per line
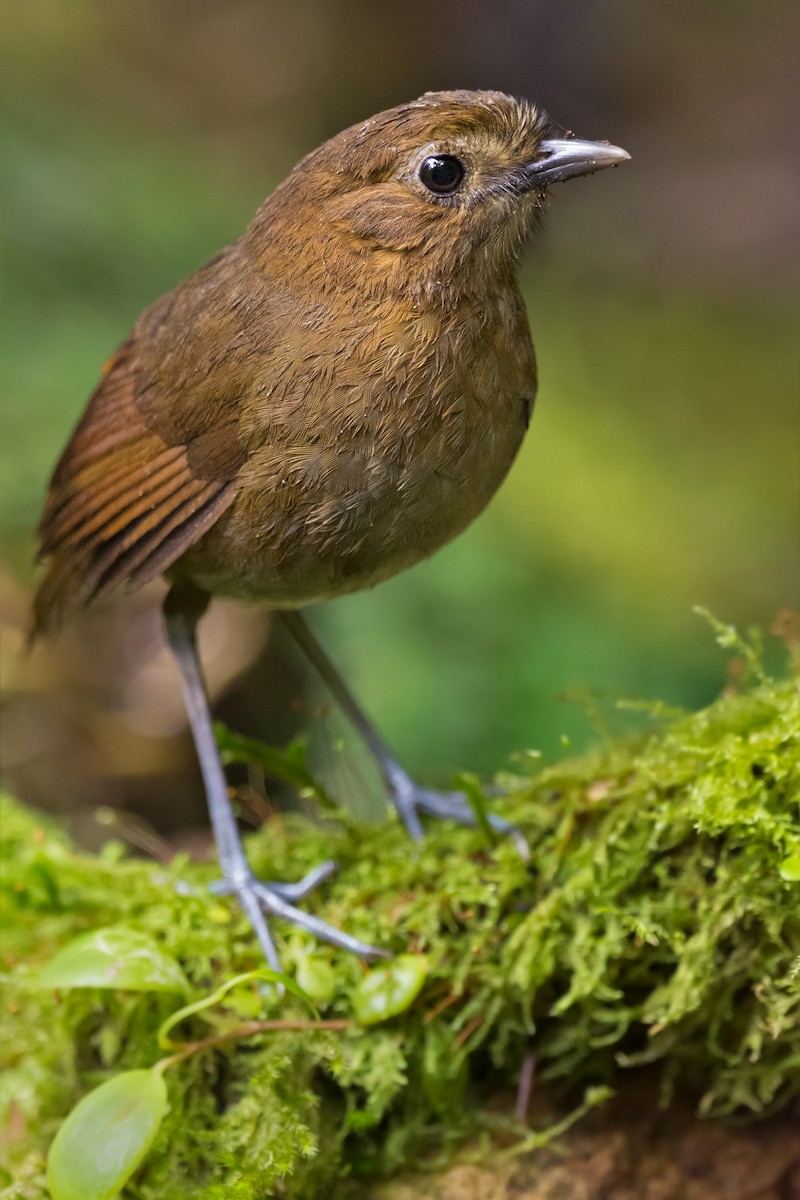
657 923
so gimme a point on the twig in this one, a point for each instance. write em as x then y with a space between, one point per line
468 1031
242 1031
527 1075
444 1003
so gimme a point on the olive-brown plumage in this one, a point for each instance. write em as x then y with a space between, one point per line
335 395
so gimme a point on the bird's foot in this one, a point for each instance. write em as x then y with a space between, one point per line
261 900
411 800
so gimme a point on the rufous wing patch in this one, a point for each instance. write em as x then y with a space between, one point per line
126 500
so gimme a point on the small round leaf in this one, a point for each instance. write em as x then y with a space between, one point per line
790 869
114 958
316 977
106 1136
389 990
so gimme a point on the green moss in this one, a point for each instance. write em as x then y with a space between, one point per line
657 922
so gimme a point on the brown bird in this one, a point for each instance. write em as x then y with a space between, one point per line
326 402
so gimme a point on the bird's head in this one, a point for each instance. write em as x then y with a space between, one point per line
452 182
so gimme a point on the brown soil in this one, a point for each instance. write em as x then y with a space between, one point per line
628 1151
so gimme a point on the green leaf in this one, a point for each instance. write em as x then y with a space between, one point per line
389 990
790 869
104 1138
118 958
316 977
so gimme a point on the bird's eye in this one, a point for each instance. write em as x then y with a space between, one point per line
442 174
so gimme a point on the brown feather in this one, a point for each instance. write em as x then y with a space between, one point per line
128 498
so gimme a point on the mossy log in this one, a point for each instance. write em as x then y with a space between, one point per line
590 1022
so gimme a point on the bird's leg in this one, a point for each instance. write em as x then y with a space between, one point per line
406 795
182 610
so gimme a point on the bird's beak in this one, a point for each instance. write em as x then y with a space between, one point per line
564 158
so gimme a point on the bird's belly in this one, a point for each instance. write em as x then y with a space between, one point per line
320 523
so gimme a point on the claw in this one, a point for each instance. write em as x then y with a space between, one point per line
277 906
456 807
410 800
275 899
289 891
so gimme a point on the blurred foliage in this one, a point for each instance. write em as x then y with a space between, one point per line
657 924
661 468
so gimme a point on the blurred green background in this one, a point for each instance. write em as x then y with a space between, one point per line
661 469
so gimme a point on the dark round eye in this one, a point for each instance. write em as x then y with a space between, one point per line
442 174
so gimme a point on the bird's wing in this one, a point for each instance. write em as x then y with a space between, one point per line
131 492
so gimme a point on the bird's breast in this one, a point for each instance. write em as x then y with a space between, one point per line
369 446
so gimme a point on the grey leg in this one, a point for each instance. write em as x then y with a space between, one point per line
407 796
253 895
